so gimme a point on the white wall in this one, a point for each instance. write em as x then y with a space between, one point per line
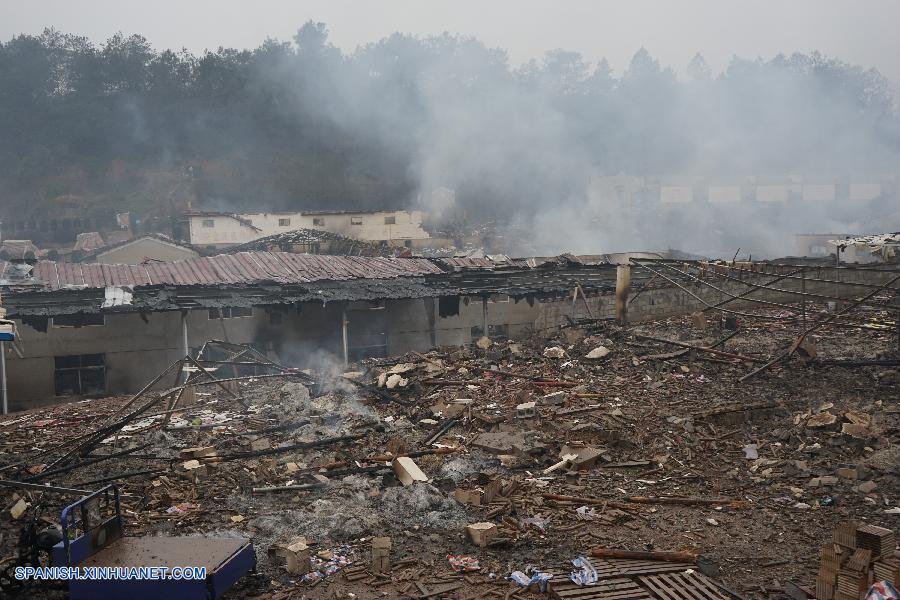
819 192
772 193
865 191
136 351
724 194
676 194
362 226
225 231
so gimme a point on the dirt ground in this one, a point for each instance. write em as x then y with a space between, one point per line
674 453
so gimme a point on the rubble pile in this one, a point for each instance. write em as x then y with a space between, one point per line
516 468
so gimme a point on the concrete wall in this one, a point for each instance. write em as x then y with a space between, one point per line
417 324
819 192
136 351
309 334
225 231
676 194
372 226
305 334
134 253
772 193
724 194
608 190
865 191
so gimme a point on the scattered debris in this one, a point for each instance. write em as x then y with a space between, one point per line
596 353
554 352
18 509
381 555
535 452
407 471
481 534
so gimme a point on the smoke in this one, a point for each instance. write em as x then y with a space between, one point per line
544 147
563 154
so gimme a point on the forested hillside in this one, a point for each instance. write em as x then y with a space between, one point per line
298 124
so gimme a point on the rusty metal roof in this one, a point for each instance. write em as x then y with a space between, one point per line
228 269
486 262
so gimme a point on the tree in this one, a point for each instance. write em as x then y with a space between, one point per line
300 124
698 70
125 63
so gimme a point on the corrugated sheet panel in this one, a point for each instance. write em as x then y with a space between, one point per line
482 263
230 269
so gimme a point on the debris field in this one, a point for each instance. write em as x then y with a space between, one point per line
503 469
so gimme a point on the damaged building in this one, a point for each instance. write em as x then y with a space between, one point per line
608 427
92 329
315 241
221 230
95 329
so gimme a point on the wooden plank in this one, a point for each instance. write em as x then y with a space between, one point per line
634 579
625 566
659 589
678 587
610 589
702 582
682 586
708 584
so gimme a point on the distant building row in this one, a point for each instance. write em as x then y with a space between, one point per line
683 190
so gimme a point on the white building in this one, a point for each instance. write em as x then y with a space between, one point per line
218 229
724 193
865 191
676 191
819 192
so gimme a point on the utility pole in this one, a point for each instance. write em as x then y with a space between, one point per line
623 287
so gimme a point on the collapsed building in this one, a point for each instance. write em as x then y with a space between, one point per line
882 247
96 329
220 230
316 241
90 329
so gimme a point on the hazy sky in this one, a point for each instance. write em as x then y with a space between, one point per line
866 32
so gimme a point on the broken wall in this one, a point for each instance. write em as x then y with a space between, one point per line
306 334
672 301
135 351
417 325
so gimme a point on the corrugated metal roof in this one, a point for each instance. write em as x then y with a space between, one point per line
485 262
229 269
